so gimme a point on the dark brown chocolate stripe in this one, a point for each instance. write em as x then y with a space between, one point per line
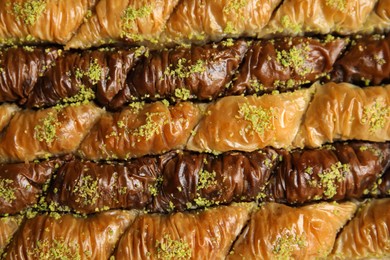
113 77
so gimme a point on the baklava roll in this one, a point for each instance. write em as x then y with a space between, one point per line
206 234
366 62
298 17
35 21
7 111
277 231
334 172
251 123
285 63
367 235
379 19
181 73
38 134
192 180
20 70
140 130
21 184
70 237
135 21
213 20
345 112
8 227
87 187
77 77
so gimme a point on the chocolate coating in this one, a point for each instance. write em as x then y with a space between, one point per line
198 180
285 63
20 71
335 173
203 71
87 187
102 71
367 62
21 184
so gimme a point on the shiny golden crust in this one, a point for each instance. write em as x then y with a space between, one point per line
44 133
202 21
277 231
368 233
132 20
296 17
70 237
344 112
7 111
250 123
41 20
140 130
206 234
8 227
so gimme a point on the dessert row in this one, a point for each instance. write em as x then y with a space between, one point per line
82 24
347 230
37 77
180 181
305 118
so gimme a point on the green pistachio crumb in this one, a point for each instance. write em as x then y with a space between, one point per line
289 25
30 11
130 15
285 245
6 191
234 6
169 248
136 106
153 125
376 115
379 60
182 93
340 5
294 58
206 179
87 190
228 43
184 70
46 129
94 72
229 29
330 177
54 250
260 119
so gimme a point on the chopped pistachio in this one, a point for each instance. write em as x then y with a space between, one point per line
46 129
130 15
330 177
168 249
288 24
228 43
87 189
182 93
234 6
30 11
153 125
136 106
206 179
294 58
229 29
6 191
340 5
376 115
57 249
260 119
181 70
286 244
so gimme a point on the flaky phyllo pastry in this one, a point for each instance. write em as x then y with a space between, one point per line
194 129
